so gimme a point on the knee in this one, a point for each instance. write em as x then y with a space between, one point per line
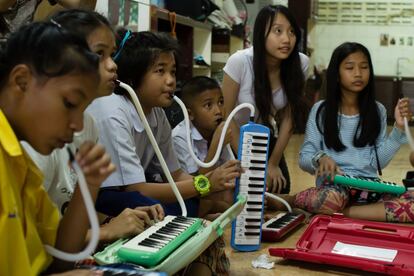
331 201
400 209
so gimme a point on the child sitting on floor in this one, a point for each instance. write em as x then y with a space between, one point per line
347 134
60 178
47 79
147 62
204 101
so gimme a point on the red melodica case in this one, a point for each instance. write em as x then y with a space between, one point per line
365 245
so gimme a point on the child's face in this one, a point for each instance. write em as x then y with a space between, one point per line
207 110
281 40
354 73
158 85
102 42
51 110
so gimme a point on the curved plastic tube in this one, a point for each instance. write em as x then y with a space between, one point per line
408 134
281 200
151 137
410 141
223 133
233 157
93 219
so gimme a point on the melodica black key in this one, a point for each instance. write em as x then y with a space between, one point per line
154 244
121 270
370 184
253 154
275 228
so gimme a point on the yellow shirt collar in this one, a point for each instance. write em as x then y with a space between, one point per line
8 139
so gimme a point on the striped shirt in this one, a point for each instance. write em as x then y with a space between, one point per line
353 161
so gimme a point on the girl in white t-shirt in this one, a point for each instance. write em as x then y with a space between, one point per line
276 70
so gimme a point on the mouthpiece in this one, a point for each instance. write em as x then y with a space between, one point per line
71 156
118 90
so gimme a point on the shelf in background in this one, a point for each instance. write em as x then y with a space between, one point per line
194 37
184 20
197 39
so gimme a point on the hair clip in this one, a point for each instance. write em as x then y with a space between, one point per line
126 36
55 23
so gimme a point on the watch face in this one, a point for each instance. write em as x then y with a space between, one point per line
202 183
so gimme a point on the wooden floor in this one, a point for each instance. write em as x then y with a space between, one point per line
241 262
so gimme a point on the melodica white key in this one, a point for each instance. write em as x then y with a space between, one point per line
154 244
253 153
277 227
145 241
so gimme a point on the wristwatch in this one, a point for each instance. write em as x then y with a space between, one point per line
202 184
316 158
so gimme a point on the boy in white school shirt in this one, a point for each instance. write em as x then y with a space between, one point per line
204 101
147 61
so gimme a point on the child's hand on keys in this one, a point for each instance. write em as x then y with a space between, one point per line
131 222
156 212
95 163
221 177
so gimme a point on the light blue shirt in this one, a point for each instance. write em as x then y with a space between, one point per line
199 145
122 133
353 161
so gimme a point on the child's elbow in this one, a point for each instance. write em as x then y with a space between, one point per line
303 164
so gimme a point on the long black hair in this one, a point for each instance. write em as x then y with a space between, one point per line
138 51
292 78
49 51
81 22
369 125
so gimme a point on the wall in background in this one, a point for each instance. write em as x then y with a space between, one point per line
384 27
324 39
254 8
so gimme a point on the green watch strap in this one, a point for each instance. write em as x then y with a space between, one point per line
202 185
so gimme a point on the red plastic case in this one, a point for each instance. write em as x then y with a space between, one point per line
324 232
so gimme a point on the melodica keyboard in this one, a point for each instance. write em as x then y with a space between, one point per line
158 241
253 153
376 185
275 228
